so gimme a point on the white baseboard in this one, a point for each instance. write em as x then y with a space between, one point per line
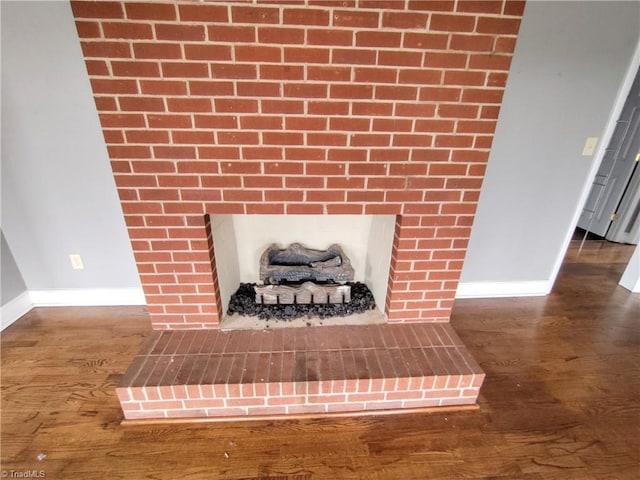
631 276
76 297
135 296
14 309
81 297
503 289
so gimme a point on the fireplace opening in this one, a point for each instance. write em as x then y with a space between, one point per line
243 245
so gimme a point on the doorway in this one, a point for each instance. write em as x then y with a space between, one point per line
612 209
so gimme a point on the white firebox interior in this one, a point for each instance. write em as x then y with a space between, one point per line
240 240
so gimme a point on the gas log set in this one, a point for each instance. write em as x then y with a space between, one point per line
302 282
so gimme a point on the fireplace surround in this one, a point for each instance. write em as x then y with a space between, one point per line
311 107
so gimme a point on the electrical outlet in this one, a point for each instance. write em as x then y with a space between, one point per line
589 146
76 262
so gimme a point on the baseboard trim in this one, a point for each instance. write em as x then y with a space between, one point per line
15 308
631 276
503 289
135 296
81 297
76 297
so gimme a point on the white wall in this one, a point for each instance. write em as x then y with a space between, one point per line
15 300
254 234
570 62
58 193
11 282
225 250
378 261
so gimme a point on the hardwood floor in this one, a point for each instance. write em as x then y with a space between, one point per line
561 400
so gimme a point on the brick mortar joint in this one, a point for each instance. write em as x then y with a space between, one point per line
308 9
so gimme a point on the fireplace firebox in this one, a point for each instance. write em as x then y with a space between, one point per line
300 282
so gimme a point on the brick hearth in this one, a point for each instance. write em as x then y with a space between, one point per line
314 107
299 370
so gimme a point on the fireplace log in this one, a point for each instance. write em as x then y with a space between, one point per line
306 293
297 263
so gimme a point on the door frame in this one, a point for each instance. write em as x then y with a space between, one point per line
626 211
605 138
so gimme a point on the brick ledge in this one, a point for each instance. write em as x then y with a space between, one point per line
320 370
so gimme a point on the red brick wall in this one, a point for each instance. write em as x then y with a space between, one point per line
294 107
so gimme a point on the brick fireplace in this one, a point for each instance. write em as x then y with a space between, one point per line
297 108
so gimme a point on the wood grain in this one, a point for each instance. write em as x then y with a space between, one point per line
561 400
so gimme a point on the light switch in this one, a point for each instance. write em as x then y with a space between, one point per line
589 146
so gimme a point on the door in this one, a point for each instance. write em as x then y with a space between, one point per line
612 182
626 226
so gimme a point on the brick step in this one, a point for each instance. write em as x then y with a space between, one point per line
210 373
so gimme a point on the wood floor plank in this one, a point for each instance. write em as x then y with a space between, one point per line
561 400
